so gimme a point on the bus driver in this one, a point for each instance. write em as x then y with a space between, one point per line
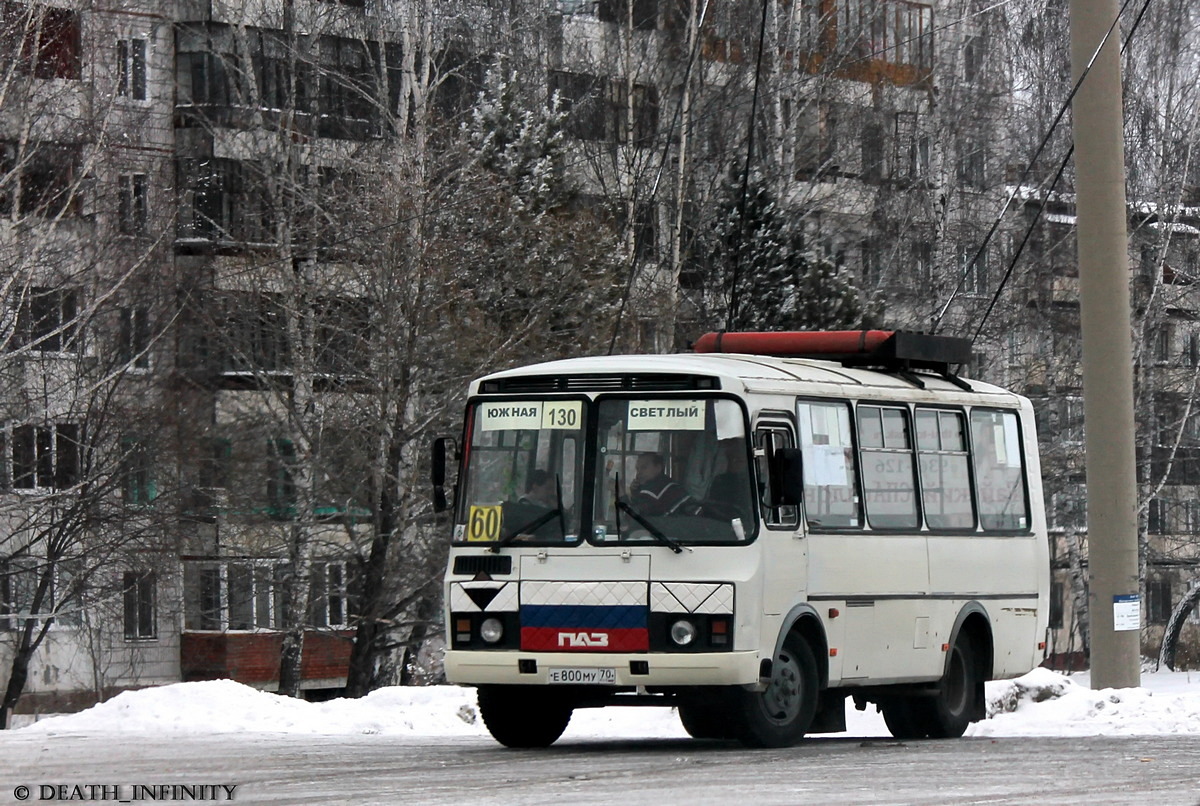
653 491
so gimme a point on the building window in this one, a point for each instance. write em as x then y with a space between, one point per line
973 55
345 89
249 595
922 263
973 268
1057 600
281 484
138 485
133 346
644 13
604 110
225 200
578 8
873 167
47 320
19 577
131 68
41 180
1164 342
132 210
45 457
331 598
912 148
343 337
44 42
139 589
1190 356
247 334
972 166
1158 600
817 139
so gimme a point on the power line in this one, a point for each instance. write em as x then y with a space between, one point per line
1025 174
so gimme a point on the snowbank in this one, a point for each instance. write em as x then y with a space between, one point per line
1042 703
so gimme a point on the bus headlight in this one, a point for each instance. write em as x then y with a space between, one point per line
683 632
491 630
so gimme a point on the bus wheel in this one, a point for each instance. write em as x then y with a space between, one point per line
519 717
707 720
783 713
945 715
901 716
950 712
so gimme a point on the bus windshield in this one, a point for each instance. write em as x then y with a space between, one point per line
524 461
672 470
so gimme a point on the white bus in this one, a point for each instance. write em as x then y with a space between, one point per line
749 536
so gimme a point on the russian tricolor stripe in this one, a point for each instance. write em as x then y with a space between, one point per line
584 628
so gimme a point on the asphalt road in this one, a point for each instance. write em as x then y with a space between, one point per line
264 768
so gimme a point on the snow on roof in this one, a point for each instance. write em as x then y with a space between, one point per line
1041 703
1175 227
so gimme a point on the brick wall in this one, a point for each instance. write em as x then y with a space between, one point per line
253 658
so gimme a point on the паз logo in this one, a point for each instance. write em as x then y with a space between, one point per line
575 639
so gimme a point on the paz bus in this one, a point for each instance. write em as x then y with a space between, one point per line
847 519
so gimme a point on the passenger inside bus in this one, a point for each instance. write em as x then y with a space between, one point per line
728 494
539 490
653 491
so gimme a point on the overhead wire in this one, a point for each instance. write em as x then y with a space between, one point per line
1020 183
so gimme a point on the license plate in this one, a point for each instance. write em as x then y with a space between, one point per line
580 675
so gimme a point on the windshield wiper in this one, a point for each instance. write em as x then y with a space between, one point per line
528 528
538 522
657 533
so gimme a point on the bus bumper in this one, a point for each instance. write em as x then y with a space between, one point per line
661 669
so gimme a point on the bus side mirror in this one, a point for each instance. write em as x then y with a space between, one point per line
437 473
787 477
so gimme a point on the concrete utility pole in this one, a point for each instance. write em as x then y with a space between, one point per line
1114 606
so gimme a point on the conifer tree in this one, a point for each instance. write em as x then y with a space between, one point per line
772 281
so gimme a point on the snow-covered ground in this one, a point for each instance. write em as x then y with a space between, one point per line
1042 703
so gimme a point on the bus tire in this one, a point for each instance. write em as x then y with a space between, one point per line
707 720
900 716
947 715
780 715
520 717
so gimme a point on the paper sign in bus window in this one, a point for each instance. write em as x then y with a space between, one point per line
666 415
511 416
562 414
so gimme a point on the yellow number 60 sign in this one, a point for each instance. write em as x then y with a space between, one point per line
483 524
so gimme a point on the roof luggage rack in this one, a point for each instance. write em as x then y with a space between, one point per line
895 351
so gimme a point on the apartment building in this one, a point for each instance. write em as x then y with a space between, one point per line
193 343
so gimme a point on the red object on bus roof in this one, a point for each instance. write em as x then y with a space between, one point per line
795 343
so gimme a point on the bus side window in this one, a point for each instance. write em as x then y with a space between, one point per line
830 477
888 472
945 480
999 470
767 440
